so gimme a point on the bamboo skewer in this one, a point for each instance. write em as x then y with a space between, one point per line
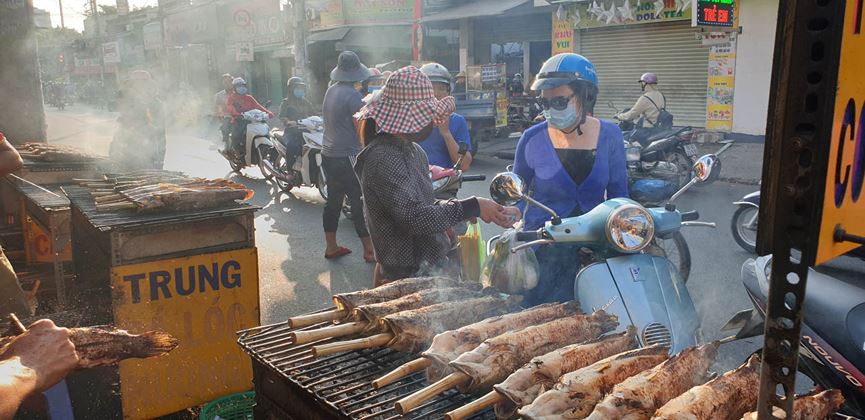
417 399
371 342
466 411
116 206
342 330
416 365
312 319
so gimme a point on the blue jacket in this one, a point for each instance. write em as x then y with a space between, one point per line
538 164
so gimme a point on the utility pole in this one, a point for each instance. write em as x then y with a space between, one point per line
62 23
300 53
94 10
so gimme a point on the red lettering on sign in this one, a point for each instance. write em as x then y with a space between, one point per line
710 14
43 246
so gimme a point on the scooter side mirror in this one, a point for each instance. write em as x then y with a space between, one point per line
704 167
507 189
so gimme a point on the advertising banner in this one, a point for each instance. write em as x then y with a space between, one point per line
111 52
259 21
563 35
322 14
193 26
603 13
244 51
719 97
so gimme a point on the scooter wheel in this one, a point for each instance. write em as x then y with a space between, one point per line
264 152
741 217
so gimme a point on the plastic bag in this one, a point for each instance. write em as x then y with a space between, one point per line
510 272
473 252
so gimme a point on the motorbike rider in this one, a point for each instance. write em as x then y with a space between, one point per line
293 108
237 103
443 144
571 163
408 224
515 88
219 110
647 108
339 150
139 142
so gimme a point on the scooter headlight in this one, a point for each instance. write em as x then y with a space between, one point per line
440 182
630 228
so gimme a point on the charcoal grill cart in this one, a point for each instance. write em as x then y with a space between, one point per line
192 274
291 384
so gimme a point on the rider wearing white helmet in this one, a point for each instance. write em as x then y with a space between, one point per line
442 146
649 105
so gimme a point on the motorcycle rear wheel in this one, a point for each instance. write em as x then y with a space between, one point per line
741 232
321 184
684 167
675 248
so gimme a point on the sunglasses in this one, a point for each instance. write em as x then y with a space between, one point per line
559 103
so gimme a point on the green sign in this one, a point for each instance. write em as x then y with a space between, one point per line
604 13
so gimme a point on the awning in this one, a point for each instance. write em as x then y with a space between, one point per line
475 9
335 34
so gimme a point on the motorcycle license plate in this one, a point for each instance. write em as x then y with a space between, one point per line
691 150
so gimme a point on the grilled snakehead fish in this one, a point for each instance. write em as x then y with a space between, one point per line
811 406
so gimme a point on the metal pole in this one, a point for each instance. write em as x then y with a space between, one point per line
300 52
99 50
62 22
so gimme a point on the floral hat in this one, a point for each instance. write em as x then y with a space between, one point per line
406 103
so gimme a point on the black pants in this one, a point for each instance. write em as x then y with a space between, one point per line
342 182
238 135
558 265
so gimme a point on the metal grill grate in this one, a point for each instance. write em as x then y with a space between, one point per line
81 198
339 384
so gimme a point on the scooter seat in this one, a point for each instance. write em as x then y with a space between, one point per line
835 310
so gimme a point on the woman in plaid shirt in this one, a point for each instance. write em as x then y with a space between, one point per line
408 225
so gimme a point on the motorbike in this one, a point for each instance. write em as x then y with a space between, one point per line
640 288
306 170
833 329
257 133
744 221
666 154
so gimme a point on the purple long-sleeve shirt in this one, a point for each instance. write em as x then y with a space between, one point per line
537 163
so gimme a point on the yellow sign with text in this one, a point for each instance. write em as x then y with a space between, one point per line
563 35
843 203
39 244
202 301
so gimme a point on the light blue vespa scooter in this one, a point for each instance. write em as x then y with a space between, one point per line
626 280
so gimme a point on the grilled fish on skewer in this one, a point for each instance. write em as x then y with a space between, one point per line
346 302
726 397
576 393
448 345
811 406
640 395
104 345
410 331
498 357
524 385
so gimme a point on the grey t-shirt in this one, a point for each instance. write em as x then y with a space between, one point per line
341 102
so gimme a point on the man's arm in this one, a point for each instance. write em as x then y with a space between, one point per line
452 143
638 110
10 160
33 362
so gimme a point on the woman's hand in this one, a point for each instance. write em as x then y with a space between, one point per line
492 212
514 215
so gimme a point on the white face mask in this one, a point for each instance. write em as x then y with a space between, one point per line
563 119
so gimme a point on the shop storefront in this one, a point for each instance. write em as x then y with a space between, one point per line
623 44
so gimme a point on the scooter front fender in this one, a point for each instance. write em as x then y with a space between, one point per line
644 291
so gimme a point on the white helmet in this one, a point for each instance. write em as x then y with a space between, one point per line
437 73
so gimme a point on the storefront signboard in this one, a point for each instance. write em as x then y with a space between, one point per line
244 51
202 301
111 52
604 13
563 34
843 203
193 26
489 73
501 108
259 21
151 34
719 98
322 14
715 13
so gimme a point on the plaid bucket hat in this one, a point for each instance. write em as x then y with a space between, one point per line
406 103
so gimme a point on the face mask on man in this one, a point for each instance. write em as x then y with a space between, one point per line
561 119
299 93
242 90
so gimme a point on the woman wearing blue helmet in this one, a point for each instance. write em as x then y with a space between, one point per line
572 162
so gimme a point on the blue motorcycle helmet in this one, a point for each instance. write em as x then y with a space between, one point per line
577 72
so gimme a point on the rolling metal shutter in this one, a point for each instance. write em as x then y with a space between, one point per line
670 50
499 29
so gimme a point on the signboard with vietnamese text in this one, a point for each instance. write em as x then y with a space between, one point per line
721 84
719 13
323 14
604 13
202 301
259 21
843 203
563 35
111 52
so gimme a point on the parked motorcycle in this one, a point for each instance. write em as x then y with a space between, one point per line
257 133
665 154
744 221
833 329
448 181
639 288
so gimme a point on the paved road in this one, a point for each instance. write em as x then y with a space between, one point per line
295 278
